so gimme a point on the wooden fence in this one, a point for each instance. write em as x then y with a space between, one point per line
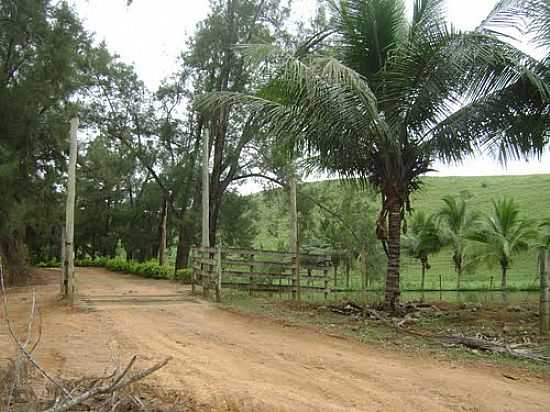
260 271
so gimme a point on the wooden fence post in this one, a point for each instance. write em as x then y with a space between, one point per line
251 281
293 280
205 273
298 289
63 284
544 260
325 282
193 271
219 273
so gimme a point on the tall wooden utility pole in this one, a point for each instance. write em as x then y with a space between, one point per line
69 285
205 190
205 206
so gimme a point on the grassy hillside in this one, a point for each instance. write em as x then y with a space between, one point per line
532 193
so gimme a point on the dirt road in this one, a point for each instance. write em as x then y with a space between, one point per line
220 355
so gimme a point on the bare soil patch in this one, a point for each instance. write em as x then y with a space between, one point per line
227 360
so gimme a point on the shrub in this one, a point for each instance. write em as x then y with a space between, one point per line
146 269
52 263
184 275
95 262
118 265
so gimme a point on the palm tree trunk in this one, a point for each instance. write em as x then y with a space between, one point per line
503 282
423 278
459 270
394 246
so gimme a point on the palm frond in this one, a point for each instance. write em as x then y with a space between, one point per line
428 17
511 123
530 17
369 30
258 53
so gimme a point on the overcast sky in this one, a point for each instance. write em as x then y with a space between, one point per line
151 34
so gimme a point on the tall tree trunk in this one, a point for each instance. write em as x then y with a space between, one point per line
185 240
423 278
364 267
162 231
12 256
391 298
504 280
215 206
348 270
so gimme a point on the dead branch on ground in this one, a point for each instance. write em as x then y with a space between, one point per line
105 393
480 343
123 380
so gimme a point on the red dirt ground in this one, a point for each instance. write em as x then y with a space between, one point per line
260 364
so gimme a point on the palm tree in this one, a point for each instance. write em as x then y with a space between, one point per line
459 222
502 235
397 95
423 239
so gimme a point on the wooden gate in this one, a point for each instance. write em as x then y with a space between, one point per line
260 270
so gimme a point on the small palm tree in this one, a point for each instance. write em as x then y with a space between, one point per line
502 235
459 222
422 240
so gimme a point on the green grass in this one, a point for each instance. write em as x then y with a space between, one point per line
532 194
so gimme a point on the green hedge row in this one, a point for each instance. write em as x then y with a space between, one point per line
149 269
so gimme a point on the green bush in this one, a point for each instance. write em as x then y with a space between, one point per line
95 262
53 263
184 275
146 269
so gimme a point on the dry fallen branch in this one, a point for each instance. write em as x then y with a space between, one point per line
102 390
476 343
493 347
23 346
119 383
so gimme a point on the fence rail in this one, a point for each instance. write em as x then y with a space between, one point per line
260 270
